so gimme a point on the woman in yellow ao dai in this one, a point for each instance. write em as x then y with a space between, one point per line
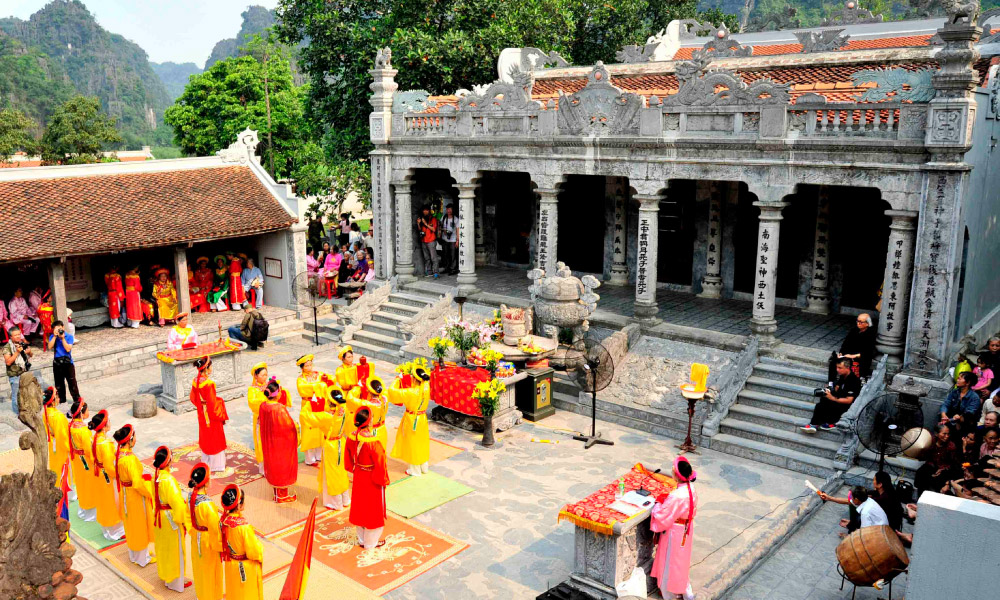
206 537
314 390
80 440
256 397
135 497
242 551
57 434
413 437
170 522
103 451
333 481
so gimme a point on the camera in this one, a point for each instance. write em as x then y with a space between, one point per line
820 392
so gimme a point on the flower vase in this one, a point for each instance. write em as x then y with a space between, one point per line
488 439
440 364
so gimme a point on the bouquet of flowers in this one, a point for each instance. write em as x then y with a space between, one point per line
497 324
488 358
465 335
439 346
487 393
408 370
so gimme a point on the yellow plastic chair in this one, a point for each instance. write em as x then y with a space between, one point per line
699 382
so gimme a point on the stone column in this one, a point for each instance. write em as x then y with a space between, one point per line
480 233
181 272
617 190
57 283
466 241
645 260
547 229
819 296
763 323
381 213
896 286
404 232
711 283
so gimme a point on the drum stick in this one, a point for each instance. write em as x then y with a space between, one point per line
811 486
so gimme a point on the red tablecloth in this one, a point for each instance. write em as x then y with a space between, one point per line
452 387
593 513
209 349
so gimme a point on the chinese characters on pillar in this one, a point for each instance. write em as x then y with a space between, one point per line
934 281
714 232
543 237
378 201
761 307
821 259
642 260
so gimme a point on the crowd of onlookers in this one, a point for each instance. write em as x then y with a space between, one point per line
342 260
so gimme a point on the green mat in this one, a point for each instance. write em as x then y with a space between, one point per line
412 496
90 531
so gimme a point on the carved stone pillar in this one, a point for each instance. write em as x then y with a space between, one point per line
547 229
480 233
181 272
383 86
617 191
896 286
466 241
763 323
711 283
404 232
382 213
646 259
57 283
819 296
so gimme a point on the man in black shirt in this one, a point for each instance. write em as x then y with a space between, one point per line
859 346
837 400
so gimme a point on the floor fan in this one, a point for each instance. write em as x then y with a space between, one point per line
308 294
593 369
884 421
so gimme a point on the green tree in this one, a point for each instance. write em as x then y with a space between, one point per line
254 90
15 134
78 132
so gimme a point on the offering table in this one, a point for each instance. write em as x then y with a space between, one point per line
177 371
451 388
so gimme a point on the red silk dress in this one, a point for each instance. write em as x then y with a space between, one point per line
211 416
116 295
133 303
280 443
236 295
199 302
364 456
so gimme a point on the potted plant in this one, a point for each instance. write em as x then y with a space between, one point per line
439 347
487 393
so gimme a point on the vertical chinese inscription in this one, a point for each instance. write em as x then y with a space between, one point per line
379 211
934 283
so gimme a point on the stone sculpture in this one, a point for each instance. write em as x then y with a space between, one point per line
827 40
35 551
775 21
243 150
563 301
502 96
600 108
383 58
961 12
720 45
912 86
705 90
852 14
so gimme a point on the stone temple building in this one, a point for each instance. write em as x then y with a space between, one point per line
823 169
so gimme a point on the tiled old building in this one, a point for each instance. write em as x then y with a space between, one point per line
821 168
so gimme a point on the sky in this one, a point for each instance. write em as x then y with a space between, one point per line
168 30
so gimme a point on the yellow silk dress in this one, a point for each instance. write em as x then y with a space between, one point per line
255 397
166 299
244 573
168 535
332 473
413 437
206 549
136 502
347 380
380 408
57 430
82 462
104 488
310 436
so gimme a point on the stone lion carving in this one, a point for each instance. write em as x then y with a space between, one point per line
961 12
243 150
562 300
383 58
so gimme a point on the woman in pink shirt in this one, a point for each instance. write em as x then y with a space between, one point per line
985 374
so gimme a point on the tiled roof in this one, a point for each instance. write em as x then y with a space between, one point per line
103 213
774 49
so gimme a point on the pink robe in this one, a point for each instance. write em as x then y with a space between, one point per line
673 560
4 319
22 316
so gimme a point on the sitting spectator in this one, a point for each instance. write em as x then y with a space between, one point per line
324 252
869 511
990 447
837 399
884 495
992 355
991 419
968 451
245 331
961 406
371 264
940 461
369 238
312 265
859 346
985 375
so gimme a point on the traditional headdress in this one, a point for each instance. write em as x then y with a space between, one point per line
161 458
375 385
422 374
219 257
203 363
161 271
304 359
344 351
79 407
202 259
49 396
181 316
231 497
363 417
97 424
692 475
257 367
199 479
122 437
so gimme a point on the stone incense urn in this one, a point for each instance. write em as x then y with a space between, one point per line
563 301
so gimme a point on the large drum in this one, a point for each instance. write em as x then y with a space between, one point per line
870 554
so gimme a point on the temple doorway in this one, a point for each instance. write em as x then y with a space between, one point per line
583 223
676 234
509 207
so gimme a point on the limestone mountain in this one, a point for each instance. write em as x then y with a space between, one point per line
175 76
256 19
31 82
63 42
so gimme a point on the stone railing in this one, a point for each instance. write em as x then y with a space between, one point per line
871 390
682 121
730 385
428 125
890 120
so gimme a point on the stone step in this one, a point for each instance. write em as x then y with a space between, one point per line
385 329
792 440
410 299
790 372
781 404
784 389
399 309
785 458
897 465
777 420
428 287
628 417
328 325
362 348
378 339
389 318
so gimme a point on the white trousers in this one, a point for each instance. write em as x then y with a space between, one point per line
221 305
114 533
314 455
140 558
369 537
133 323
177 585
215 462
87 515
336 502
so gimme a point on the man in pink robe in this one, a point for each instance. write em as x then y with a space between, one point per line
673 518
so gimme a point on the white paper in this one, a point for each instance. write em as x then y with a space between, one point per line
638 499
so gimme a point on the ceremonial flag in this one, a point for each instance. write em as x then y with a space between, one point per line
64 487
298 572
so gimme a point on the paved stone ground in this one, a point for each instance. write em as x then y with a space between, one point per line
805 567
796 327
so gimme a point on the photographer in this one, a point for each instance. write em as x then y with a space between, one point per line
835 400
449 239
16 353
428 224
63 369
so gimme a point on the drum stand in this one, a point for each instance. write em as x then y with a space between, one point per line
843 578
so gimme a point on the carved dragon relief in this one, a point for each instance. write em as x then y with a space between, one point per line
852 14
720 45
826 40
243 150
534 58
600 108
692 28
411 101
501 96
912 86
775 21
985 16
698 90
